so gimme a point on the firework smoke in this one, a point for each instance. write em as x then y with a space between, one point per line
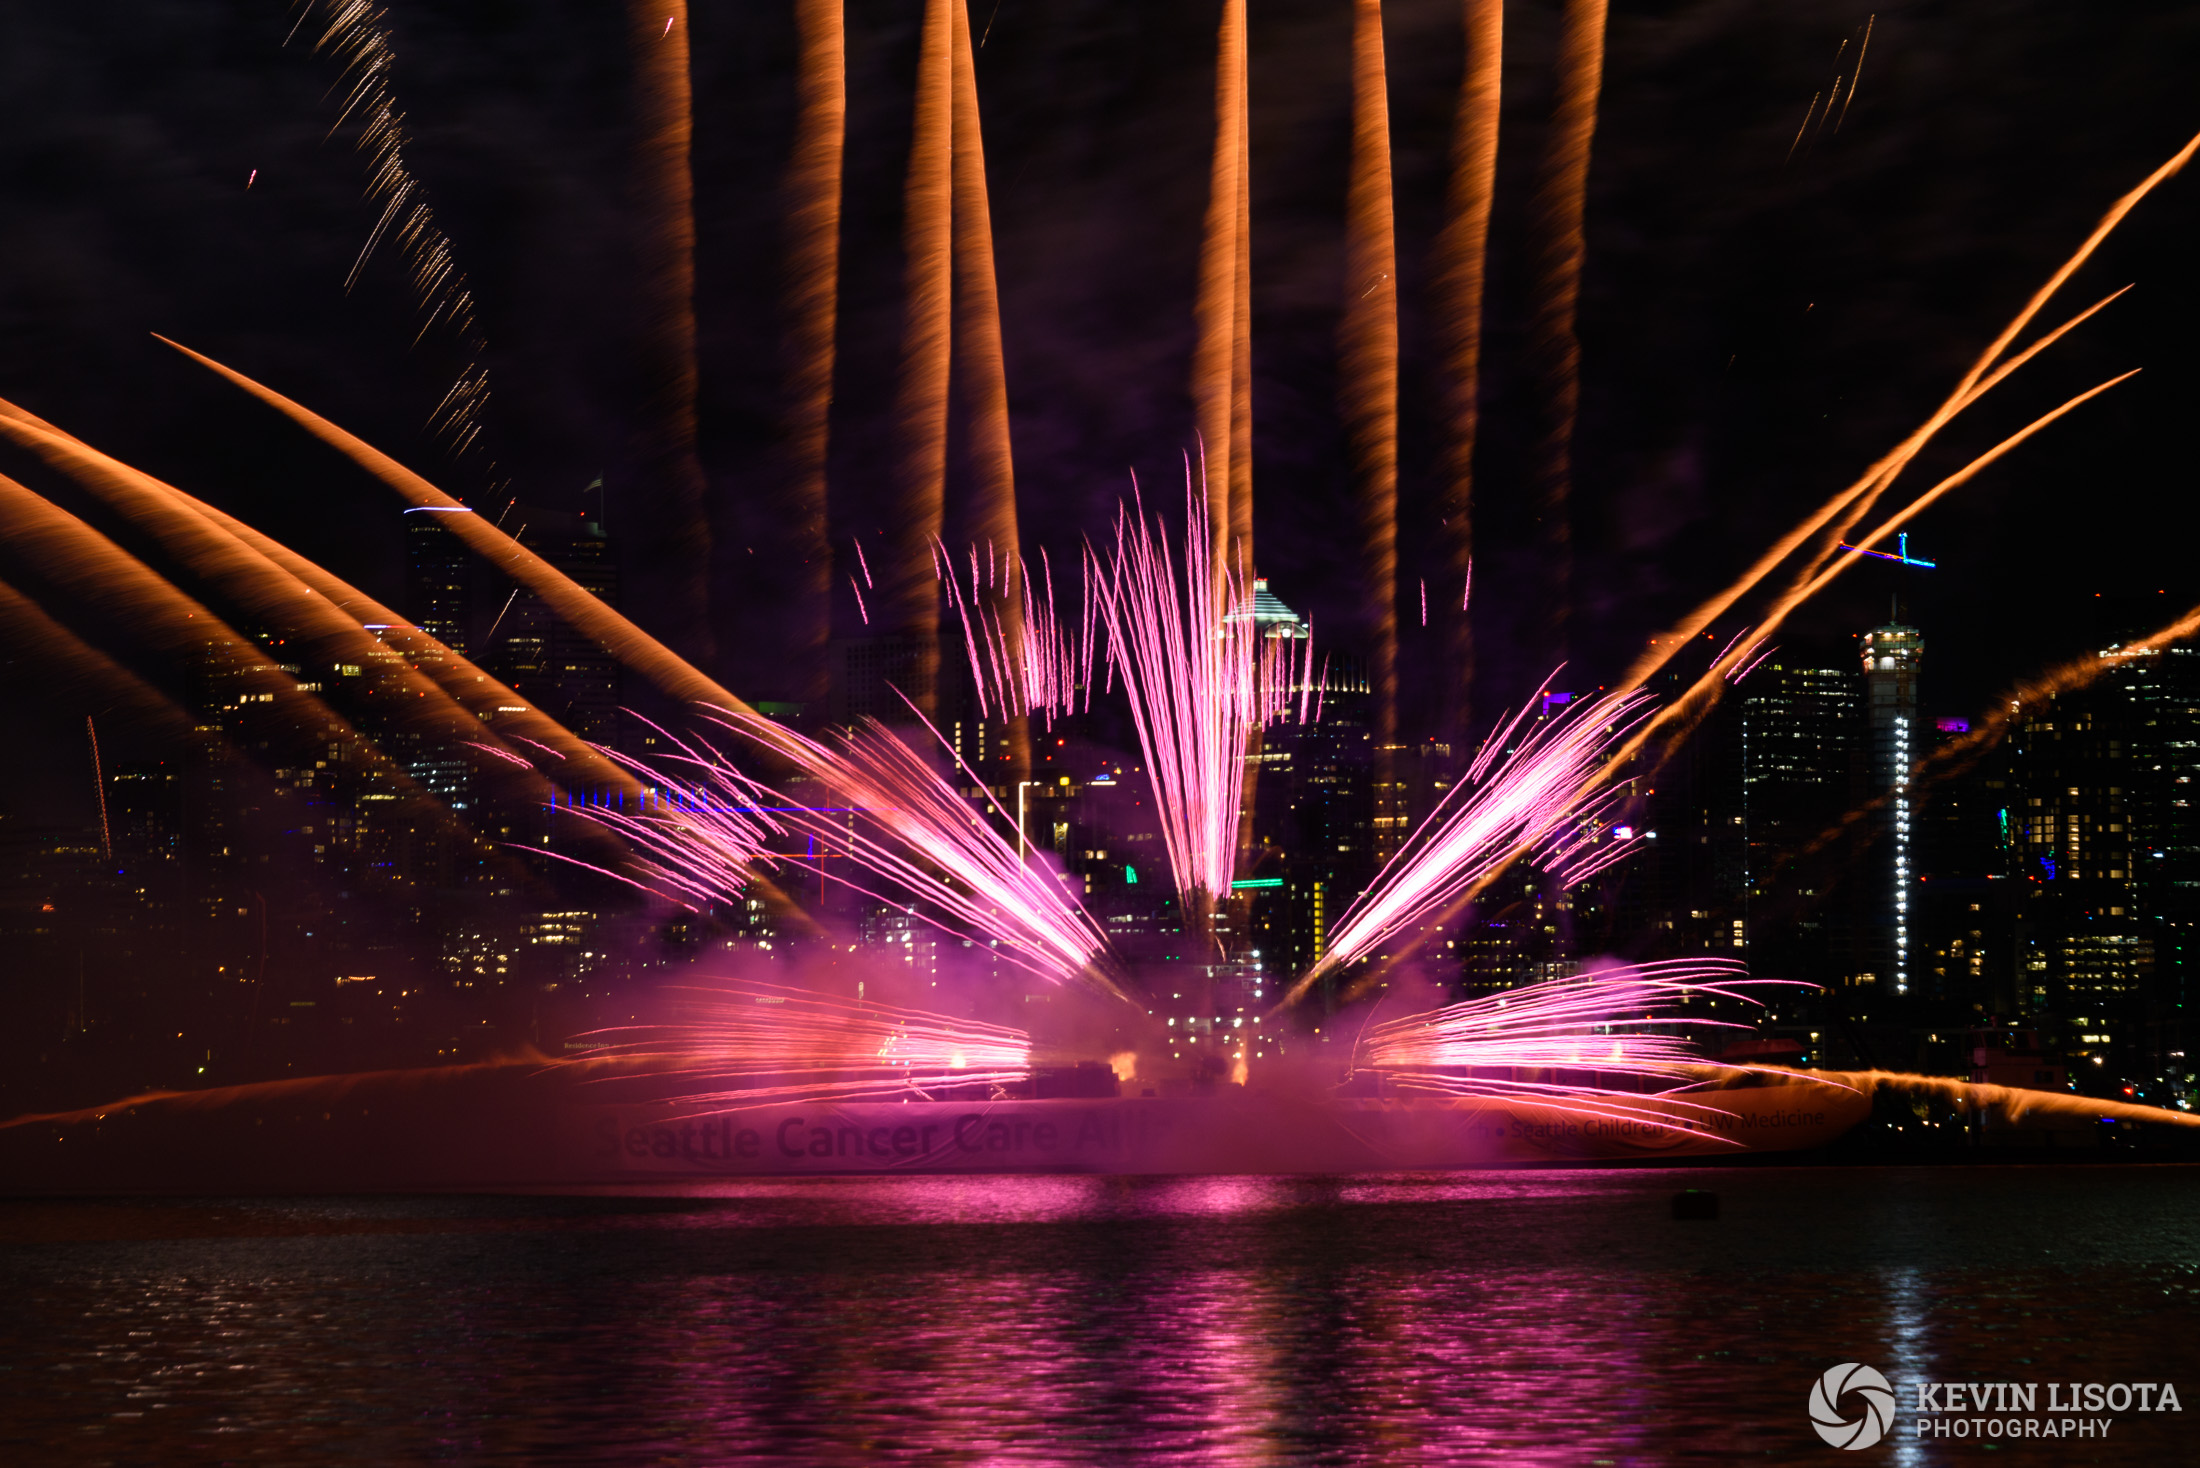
358 36
813 238
1370 369
1561 206
764 1043
675 533
1462 259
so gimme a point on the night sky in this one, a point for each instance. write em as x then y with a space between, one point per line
1755 330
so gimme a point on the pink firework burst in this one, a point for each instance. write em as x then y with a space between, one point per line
1202 679
1543 796
1621 1021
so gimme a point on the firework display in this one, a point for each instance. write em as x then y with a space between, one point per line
898 770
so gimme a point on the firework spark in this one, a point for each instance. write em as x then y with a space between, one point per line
1595 1022
1506 1046
762 1043
1038 664
357 34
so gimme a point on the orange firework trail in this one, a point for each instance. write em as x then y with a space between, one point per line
358 35
71 662
1222 359
268 592
978 346
909 597
583 610
1690 708
676 529
813 229
84 564
1973 385
2012 1101
1560 208
1370 343
1462 258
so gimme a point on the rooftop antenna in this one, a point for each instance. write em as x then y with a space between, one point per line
1901 555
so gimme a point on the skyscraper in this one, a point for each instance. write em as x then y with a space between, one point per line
1891 656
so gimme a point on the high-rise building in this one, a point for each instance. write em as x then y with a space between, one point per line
1891 655
438 579
1793 740
560 669
2088 952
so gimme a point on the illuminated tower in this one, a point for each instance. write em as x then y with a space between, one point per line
1891 657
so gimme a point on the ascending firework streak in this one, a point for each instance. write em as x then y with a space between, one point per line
1561 205
763 1043
1370 370
1982 377
1201 681
982 372
1036 665
676 528
1541 798
359 37
908 599
1222 393
1463 254
813 230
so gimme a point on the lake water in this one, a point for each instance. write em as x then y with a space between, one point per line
1515 1317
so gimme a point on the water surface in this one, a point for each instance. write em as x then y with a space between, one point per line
1502 1317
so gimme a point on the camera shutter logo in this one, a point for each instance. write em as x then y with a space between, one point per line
1864 1388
